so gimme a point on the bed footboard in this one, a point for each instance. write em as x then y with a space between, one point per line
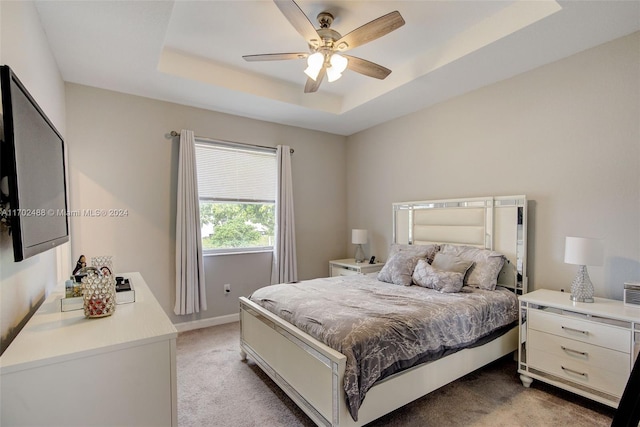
308 371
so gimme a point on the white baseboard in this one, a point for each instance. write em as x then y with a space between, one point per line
205 323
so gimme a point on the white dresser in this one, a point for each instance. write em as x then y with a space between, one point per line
349 266
586 348
65 369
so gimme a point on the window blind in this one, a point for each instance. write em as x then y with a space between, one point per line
235 174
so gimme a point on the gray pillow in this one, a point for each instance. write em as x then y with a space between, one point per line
453 263
422 251
486 265
443 281
399 268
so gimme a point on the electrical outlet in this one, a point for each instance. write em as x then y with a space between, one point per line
227 288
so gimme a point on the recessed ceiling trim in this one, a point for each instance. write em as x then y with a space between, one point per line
205 71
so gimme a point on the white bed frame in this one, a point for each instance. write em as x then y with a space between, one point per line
311 373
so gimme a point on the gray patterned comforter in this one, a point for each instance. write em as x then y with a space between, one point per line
382 328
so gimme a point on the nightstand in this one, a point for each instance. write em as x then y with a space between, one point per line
349 266
586 348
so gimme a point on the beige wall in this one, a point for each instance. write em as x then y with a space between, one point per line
566 135
120 158
24 47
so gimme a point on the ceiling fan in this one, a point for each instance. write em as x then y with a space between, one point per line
326 45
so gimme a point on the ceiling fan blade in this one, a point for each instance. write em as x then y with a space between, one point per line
299 20
370 31
367 68
275 56
313 85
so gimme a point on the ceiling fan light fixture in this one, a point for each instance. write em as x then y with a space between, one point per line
338 65
312 73
314 65
339 62
332 74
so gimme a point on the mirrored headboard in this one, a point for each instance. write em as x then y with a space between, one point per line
498 223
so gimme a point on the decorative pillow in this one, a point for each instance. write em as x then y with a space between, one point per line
422 251
443 281
399 268
486 265
452 263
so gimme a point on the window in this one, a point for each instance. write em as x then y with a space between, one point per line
237 192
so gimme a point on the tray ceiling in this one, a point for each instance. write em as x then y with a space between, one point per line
190 52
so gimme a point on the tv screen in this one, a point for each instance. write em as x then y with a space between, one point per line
33 163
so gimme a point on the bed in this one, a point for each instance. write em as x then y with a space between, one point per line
315 375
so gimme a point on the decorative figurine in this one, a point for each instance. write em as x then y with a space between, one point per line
82 263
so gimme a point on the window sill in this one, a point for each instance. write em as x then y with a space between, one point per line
240 252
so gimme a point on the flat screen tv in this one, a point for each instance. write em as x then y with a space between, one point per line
32 171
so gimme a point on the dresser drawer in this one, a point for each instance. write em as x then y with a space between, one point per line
578 372
581 352
581 330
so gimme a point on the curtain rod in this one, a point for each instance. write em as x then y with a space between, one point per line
173 133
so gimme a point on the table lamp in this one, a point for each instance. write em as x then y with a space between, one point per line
583 251
359 238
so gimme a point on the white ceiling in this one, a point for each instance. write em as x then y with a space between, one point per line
190 52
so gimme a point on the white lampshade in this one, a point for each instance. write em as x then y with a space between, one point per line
315 62
583 251
332 75
338 65
358 236
339 62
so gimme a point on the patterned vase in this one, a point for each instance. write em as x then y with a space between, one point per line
98 293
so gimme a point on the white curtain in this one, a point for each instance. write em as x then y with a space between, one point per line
190 283
284 267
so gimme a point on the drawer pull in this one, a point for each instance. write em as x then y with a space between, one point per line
571 371
569 350
575 330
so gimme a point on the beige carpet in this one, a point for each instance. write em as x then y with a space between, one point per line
215 388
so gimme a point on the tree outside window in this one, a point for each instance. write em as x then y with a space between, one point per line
237 225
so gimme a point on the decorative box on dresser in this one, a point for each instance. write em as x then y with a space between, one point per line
349 266
65 369
586 348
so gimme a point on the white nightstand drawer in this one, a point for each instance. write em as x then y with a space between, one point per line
341 271
349 267
577 372
582 330
581 352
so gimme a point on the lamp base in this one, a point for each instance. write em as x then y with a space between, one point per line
581 287
359 254
581 299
